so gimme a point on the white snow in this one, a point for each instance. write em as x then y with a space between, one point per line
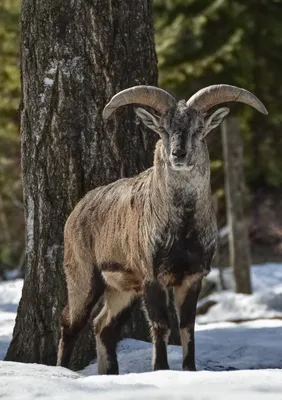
30 223
36 381
265 302
52 70
10 294
264 277
48 81
233 360
223 231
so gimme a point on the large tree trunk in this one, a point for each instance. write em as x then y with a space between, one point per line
74 56
234 188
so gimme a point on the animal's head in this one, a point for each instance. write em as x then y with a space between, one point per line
183 126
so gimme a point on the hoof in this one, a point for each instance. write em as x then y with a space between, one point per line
159 367
189 368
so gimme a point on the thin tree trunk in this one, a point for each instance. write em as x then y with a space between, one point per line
234 189
74 56
216 258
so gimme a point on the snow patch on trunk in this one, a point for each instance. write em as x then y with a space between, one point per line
30 225
48 81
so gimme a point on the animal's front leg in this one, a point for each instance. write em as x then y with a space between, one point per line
186 297
155 302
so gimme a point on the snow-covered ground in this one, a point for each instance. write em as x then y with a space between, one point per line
232 359
265 302
10 294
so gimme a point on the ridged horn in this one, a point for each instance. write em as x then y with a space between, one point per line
210 96
150 96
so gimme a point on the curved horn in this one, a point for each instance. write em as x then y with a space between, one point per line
150 96
210 96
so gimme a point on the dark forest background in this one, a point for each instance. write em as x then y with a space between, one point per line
199 43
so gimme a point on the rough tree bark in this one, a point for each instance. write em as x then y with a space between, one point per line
234 188
74 56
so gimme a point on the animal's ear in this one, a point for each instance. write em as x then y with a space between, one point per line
215 119
151 121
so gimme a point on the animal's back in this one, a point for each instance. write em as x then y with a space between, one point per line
96 227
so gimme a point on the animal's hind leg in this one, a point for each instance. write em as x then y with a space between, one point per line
67 339
107 327
156 305
84 290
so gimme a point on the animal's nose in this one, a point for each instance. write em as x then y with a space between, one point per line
179 153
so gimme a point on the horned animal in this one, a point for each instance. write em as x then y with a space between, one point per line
140 236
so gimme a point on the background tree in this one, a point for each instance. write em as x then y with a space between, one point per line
199 42
202 42
11 207
234 191
74 57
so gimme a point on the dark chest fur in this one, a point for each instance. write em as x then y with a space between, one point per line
186 249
